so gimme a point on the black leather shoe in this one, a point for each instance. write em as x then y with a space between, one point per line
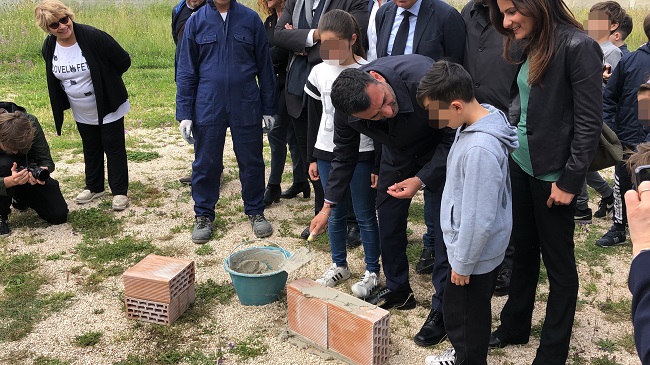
425 265
186 180
272 194
497 343
354 237
386 299
295 189
432 331
503 282
305 233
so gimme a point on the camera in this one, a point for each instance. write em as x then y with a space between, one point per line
641 173
37 172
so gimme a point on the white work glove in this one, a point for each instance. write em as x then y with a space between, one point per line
269 121
186 130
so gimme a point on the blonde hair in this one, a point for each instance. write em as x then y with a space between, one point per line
50 11
16 132
264 6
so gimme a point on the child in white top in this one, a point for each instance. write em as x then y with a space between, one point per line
341 48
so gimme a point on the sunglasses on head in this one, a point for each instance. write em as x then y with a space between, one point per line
63 21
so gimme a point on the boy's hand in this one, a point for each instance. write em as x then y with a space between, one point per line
559 197
458 279
373 180
405 189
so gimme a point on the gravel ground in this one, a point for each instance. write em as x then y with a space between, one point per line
102 309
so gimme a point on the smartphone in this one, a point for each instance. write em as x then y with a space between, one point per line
641 173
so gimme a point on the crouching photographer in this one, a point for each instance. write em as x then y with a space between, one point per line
25 167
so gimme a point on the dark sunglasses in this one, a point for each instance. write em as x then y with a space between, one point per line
63 21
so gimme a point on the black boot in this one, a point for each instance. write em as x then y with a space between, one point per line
272 194
295 189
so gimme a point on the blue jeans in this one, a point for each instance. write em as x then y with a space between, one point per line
433 224
281 135
363 201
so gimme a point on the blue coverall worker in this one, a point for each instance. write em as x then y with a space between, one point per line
220 65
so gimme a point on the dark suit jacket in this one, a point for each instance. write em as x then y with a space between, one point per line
294 39
639 284
410 146
439 30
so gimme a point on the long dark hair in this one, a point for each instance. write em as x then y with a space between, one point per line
343 25
540 47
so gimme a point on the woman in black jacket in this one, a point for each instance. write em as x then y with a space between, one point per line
84 68
557 107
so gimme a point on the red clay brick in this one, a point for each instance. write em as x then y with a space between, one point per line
158 278
307 316
158 312
354 329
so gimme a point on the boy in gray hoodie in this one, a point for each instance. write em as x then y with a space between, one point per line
476 214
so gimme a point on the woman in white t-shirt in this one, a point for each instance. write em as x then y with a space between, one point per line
84 68
341 48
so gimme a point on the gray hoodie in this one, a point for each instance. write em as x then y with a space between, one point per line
476 211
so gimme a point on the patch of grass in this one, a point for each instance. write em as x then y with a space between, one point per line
55 256
142 156
616 311
590 289
210 290
416 212
95 223
124 250
606 345
204 250
626 341
21 305
44 360
536 329
604 360
250 348
88 339
145 195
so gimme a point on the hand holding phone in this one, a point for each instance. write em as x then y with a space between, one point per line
641 174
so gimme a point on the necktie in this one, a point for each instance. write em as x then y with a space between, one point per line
402 35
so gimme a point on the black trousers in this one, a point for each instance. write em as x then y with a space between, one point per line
392 216
300 125
537 228
106 139
46 200
468 317
622 183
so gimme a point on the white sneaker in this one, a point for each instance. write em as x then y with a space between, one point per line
87 196
334 275
446 358
366 285
120 202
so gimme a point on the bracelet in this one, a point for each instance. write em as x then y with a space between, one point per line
325 214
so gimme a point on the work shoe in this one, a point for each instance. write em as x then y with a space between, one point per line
606 205
261 227
425 264
613 237
582 216
366 285
87 196
4 228
387 298
353 238
186 180
272 194
295 189
334 275
120 202
18 205
446 358
503 282
432 331
202 230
